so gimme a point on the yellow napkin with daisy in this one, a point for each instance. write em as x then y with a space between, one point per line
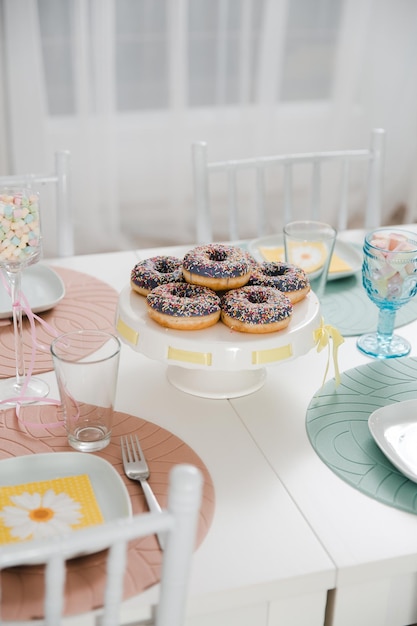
337 264
40 509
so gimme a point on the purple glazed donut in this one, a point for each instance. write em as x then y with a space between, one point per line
158 270
256 309
183 306
289 279
216 266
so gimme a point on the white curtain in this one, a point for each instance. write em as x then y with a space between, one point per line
127 85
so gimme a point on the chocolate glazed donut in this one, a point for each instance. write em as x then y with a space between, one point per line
158 270
183 306
216 266
256 309
289 279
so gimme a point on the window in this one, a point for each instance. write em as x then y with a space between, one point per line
310 48
142 53
223 51
55 20
223 46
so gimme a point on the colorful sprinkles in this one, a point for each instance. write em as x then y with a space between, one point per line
19 227
265 301
158 270
256 305
282 276
183 300
216 261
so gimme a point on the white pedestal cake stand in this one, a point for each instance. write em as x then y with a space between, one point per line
216 362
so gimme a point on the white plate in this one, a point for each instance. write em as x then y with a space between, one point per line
42 287
109 489
394 428
345 251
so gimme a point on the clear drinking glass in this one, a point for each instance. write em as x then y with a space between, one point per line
20 245
389 275
86 365
309 245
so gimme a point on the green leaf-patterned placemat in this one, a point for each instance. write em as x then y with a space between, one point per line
337 426
346 306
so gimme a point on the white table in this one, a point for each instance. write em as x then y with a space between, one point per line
373 546
260 563
286 528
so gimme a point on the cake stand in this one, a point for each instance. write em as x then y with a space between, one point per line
216 362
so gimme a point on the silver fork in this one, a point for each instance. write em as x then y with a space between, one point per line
136 468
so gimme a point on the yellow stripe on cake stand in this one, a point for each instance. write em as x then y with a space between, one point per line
271 355
188 356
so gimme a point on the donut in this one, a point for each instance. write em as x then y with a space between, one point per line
289 279
183 306
253 263
158 270
256 309
216 266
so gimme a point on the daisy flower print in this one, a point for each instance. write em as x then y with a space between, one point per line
37 515
45 508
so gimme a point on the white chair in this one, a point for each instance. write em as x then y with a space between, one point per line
284 168
60 177
178 521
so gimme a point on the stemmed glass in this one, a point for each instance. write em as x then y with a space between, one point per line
389 275
20 245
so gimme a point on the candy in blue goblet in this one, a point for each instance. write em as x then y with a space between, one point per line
389 275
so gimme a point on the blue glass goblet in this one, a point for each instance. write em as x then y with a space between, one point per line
389 275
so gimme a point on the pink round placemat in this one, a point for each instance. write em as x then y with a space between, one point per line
22 587
88 303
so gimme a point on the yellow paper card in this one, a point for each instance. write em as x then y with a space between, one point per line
338 265
277 254
47 507
273 254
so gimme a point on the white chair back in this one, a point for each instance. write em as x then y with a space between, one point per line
178 521
60 177
203 170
